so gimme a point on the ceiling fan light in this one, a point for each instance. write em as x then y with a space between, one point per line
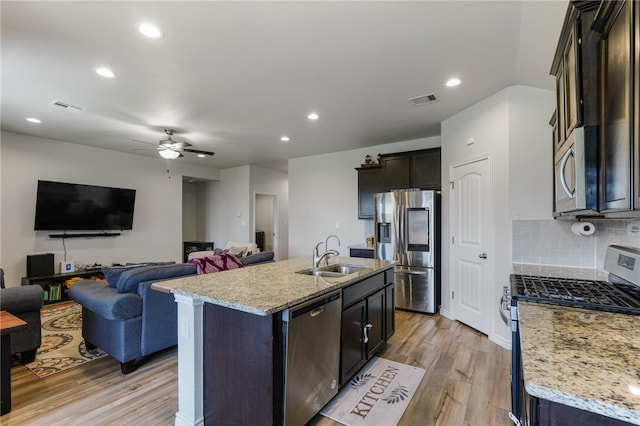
169 154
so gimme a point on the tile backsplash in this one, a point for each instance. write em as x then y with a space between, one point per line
551 242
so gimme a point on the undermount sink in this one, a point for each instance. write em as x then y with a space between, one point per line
332 270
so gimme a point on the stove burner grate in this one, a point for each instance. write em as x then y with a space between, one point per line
590 294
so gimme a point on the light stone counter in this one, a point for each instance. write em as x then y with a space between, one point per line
263 289
582 358
270 287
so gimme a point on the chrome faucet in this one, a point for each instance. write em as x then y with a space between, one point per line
326 242
317 257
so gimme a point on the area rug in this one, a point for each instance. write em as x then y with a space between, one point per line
377 395
62 344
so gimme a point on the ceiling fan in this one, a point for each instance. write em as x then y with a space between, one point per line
171 149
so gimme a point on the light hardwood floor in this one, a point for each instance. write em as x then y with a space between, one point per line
466 383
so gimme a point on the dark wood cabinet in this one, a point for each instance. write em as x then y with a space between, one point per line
370 181
616 21
404 170
575 66
413 169
397 171
368 320
353 354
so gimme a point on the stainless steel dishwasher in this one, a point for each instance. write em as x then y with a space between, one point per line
312 356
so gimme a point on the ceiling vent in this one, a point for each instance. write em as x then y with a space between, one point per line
423 99
65 105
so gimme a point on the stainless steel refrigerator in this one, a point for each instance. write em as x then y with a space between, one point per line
407 231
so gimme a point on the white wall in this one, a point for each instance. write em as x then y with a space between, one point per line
157 224
323 196
274 182
511 126
227 207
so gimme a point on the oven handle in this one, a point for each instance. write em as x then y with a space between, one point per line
503 314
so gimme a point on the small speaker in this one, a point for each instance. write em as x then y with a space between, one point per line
40 265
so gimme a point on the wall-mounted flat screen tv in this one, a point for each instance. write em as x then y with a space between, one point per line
75 207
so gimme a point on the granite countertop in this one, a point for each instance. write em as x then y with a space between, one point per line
270 287
582 358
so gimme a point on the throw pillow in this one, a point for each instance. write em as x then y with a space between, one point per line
221 262
238 251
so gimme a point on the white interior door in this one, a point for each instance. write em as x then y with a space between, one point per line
471 222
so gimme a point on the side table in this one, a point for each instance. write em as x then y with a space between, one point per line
8 325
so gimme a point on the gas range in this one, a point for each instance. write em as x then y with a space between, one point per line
621 294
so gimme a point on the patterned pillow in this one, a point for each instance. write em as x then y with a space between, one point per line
221 262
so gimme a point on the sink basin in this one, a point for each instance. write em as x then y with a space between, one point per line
321 273
344 269
332 270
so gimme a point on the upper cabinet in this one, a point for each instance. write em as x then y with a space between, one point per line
370 181
618 27
597 92
413 169
404 170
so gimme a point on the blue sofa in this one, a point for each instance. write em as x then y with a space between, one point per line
126 318
129 320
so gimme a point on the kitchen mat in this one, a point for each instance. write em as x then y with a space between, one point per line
377 395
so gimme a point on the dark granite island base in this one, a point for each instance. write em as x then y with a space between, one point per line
230 352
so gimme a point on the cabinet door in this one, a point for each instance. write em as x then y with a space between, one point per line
425 169
389 311
571 82
617 111
374 328
560 109
370 181
397 172
352 355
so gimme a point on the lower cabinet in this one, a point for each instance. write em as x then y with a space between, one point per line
368 320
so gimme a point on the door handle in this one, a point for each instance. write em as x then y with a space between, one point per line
482 255
366 332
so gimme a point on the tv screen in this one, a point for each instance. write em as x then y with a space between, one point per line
74 207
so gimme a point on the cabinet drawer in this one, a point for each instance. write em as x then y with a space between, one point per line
362 289
389 276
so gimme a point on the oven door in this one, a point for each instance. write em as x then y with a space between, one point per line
575 173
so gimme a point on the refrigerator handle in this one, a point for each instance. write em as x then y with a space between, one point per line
408 272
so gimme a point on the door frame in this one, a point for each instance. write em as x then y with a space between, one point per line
276 222
455 286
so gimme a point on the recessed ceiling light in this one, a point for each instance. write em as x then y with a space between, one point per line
313 116
150 30
33 120
285 139
201 155
453 82
105 72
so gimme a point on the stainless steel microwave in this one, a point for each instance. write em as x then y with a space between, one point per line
576 173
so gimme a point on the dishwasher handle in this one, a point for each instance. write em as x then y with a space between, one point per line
313 308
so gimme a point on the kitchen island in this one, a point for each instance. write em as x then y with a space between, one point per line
236 314
584 364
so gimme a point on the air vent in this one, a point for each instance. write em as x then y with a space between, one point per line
423 99
66 105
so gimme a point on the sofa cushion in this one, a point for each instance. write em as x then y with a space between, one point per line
106 301
263 256
129 280
221 262
112 274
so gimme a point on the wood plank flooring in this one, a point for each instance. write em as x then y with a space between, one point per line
466 383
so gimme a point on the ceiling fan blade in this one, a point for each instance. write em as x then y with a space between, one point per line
198 151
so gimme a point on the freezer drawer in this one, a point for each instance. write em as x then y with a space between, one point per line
415 289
